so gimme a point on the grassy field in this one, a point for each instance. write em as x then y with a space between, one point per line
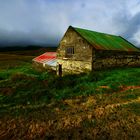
39 105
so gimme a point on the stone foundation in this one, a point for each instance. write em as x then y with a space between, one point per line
43 66
72 66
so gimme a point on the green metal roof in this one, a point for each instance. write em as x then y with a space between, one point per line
102 41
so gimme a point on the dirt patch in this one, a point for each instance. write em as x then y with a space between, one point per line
125 88
122 88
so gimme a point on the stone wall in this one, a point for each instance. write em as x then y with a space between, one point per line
43 67
110 59
81 60
73 66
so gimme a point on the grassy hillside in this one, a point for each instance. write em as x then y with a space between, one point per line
40 105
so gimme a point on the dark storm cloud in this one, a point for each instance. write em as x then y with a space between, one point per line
21 21
129 25
133 26
45 21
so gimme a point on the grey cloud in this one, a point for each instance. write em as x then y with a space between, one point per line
128 26
45 21
133 26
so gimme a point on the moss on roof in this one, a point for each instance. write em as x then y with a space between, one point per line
104 41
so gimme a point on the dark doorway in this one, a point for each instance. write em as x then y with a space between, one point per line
60 70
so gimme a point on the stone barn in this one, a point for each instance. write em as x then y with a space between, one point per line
82 50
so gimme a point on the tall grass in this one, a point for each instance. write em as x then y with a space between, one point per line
25 84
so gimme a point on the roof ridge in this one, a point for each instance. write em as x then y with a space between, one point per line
95 31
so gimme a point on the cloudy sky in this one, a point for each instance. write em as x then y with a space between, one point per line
43 22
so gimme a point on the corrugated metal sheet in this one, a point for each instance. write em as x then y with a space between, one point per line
48 58
102 41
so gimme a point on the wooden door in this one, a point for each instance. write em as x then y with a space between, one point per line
60 70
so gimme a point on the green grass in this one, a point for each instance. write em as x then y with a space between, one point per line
72 105
26 84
